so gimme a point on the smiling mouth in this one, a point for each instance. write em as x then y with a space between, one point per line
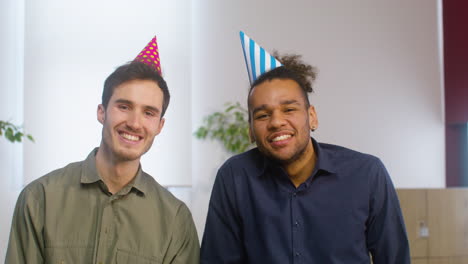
130 137
282 137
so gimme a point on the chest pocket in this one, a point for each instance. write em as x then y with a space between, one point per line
68 255
126 257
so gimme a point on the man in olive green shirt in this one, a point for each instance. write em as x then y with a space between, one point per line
106 209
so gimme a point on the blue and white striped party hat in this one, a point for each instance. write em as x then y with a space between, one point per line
258 60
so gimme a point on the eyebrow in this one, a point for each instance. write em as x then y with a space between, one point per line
284 102
287 102
152 108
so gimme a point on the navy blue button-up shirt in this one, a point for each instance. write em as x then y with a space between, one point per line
347 209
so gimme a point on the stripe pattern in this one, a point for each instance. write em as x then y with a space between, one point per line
258 60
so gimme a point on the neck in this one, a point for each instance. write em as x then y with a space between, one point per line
301 169
115 173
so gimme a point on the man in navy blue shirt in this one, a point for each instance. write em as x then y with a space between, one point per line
294 200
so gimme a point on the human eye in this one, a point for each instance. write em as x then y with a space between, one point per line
261 116
149 113
123 107
289 109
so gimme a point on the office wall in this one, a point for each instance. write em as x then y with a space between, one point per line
70 48
378 90
55 56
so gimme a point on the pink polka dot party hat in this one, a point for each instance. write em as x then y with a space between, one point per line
150 55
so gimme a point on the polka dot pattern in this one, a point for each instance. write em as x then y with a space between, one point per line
150 55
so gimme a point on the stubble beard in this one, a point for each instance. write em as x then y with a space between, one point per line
120 154
297 155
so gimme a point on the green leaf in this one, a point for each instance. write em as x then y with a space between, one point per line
9 134
230 108
12 132
18 136
201 132
230 127
30 138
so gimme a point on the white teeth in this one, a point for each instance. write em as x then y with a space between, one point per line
283 137
130 137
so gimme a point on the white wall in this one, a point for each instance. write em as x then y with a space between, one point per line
71 47
378 88
11 109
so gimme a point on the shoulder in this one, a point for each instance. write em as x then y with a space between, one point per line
172 212
34 193
251 160
163 198
352 165
237 172
343 156
67 175
341 152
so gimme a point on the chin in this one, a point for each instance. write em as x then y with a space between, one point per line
279 157
285 157
283 160
128 155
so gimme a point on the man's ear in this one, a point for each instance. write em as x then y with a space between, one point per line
313 120
101 113
160 125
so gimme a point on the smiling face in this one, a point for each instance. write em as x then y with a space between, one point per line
131 120
280 120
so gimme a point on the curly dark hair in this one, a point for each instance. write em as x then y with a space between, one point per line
130 71
294 69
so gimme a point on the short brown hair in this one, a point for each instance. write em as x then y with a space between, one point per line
130 71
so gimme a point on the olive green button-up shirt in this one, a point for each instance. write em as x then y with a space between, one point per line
69 216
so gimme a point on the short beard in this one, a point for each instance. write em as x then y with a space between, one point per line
297 156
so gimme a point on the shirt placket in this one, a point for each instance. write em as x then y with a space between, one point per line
296 229
104 252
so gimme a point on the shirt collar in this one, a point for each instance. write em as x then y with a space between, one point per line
91 175
141 181
324 159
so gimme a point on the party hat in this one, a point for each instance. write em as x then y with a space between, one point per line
150 55
258 60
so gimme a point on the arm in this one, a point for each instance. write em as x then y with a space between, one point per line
26 244
386 234
187 246
222 240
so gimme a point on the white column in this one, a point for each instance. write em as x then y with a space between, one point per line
11 109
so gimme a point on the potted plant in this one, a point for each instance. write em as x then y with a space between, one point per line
13 132
230 126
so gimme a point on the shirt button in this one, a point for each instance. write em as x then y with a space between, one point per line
297 254
296 224
294 194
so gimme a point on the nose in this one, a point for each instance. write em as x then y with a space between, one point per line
134 121
277 120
